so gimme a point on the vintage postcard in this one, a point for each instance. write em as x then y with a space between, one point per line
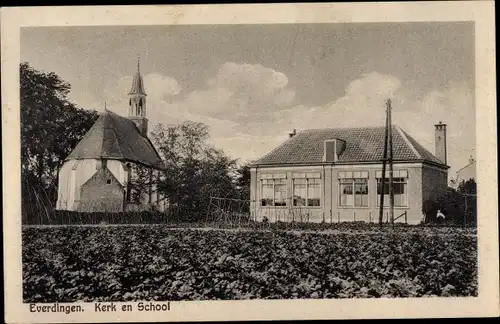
249 162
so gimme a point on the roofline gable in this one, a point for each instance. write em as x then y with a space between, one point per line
283 153
278 147
407 141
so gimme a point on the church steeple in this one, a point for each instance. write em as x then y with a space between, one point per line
137 83
137 102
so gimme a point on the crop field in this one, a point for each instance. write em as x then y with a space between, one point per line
131 263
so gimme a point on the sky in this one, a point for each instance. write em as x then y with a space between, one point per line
254 84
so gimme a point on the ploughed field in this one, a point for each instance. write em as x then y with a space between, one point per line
131 263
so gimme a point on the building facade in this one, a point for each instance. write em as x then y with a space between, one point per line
333 175
115 166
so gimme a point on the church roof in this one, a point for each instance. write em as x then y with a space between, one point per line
137 83
118 138
363 145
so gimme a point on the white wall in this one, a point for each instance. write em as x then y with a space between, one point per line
330 210
72 175
119 170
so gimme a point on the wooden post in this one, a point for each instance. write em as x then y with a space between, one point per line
391 189
384 161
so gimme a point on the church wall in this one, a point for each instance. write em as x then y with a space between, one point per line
65 194
84 171
72 175
101 193
75 173
118 169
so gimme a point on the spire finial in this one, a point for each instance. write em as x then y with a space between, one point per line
105 105
138 61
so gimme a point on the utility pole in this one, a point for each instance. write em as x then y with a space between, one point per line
391 187
384 161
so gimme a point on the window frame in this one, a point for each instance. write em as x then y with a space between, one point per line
310 179
272 179
397 174
353 178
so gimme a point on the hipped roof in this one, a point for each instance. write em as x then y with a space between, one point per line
363 145
118 138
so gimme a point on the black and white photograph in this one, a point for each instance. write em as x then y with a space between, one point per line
166 163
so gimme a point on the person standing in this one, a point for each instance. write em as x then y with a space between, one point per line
440 217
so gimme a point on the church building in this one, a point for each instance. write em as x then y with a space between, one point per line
115 167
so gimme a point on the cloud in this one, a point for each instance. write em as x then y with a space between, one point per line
158 88
250 109
244 92
363 104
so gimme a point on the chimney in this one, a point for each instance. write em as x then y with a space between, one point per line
440 142
293 133
332 149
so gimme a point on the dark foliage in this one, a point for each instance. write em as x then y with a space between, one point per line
458 205
51 126
131 263
195 171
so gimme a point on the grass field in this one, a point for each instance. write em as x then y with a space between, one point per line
155 262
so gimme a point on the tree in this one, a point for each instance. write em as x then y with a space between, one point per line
468 191
243 182
195 171
51 126
459 205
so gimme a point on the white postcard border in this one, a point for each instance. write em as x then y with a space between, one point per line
481 12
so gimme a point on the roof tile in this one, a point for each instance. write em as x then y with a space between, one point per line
364 144
115 137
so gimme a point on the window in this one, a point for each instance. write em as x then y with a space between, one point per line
108 181
273 190
306 189
353 188
399 185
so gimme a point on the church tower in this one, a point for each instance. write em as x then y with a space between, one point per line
137 103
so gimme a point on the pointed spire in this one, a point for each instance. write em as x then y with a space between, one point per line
105 105
137 82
